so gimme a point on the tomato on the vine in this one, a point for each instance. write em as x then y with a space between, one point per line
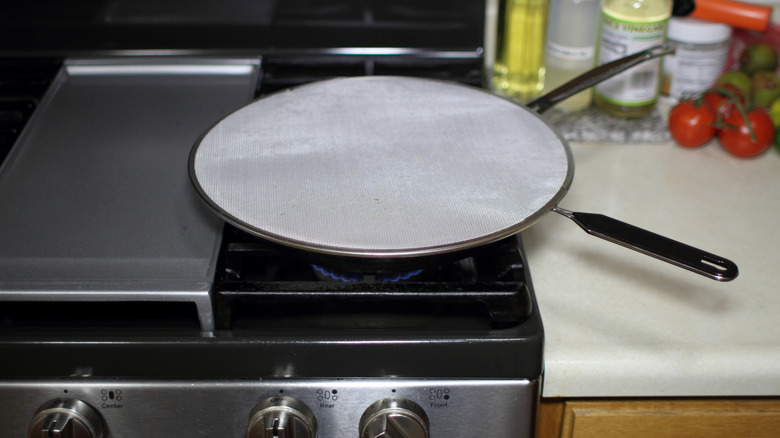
736 136
692 123
722 98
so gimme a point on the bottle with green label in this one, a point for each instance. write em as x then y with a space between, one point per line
630 26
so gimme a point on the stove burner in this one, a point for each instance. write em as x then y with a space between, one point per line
353 277
252 272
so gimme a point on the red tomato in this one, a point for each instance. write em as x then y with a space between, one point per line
721 99
692 123
735 136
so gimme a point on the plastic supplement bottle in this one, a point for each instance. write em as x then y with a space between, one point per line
518 70
629 26
701 50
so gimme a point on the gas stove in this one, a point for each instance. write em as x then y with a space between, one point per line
129 309
319 356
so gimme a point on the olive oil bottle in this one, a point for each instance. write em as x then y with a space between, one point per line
518 70
630 26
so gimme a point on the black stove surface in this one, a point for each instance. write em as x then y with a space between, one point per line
257 278
22 84
270 26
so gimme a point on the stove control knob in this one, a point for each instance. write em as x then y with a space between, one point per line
394 418
66 418
281 417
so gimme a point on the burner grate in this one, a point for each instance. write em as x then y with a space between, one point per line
282 72
491 283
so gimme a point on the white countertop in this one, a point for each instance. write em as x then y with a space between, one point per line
618 323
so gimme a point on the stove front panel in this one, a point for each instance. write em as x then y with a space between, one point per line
195 408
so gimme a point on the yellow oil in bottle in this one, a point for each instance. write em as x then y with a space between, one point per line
648 17
518 70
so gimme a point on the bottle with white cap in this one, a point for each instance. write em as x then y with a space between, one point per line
572 31
701 52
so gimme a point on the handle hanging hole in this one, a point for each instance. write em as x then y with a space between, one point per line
714 263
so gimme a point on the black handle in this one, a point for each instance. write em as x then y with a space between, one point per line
654 245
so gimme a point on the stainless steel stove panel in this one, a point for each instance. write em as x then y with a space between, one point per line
97 204
171 409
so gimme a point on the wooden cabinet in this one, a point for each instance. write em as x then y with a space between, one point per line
659 418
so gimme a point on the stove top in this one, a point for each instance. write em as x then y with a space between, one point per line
122 296
110 248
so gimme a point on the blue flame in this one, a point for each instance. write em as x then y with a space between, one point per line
351 277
